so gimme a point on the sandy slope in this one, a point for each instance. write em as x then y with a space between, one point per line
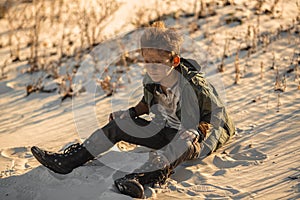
261 162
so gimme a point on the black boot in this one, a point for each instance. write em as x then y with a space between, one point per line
154 171
63 163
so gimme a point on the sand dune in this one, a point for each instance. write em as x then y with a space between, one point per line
262 161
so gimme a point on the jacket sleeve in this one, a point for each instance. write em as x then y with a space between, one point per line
211 108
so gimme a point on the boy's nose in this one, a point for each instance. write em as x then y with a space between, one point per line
154 67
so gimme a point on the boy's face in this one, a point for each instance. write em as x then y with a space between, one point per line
157 64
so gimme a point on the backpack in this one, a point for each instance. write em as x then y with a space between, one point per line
191 64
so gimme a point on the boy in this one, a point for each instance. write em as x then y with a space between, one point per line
190 120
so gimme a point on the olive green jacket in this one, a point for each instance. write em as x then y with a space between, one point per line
200 102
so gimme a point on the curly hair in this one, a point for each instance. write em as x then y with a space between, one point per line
157 36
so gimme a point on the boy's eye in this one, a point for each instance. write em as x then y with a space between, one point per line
157 61
152 61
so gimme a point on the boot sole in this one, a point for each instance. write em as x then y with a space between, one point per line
130 187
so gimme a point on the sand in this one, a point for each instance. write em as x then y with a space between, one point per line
262 161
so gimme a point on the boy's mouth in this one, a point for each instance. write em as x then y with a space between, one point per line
154 75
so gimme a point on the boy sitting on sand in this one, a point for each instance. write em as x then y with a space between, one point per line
190 119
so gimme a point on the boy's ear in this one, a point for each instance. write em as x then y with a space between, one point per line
176 61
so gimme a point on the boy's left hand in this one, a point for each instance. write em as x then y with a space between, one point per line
189 134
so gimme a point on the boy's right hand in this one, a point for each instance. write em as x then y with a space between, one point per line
119 114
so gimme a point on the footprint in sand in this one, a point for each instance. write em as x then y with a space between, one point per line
207 191
251 154
237 157
20 152
15 159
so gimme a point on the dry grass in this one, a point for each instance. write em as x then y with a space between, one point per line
30 22
237 67
225 50
3 73
261 70
49 56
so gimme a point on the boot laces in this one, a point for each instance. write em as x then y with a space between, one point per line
157 177
155 171
72 148
154 162
158 160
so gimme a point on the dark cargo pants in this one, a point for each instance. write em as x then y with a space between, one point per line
152 135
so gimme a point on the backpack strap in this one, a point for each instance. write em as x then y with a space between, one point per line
191 64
